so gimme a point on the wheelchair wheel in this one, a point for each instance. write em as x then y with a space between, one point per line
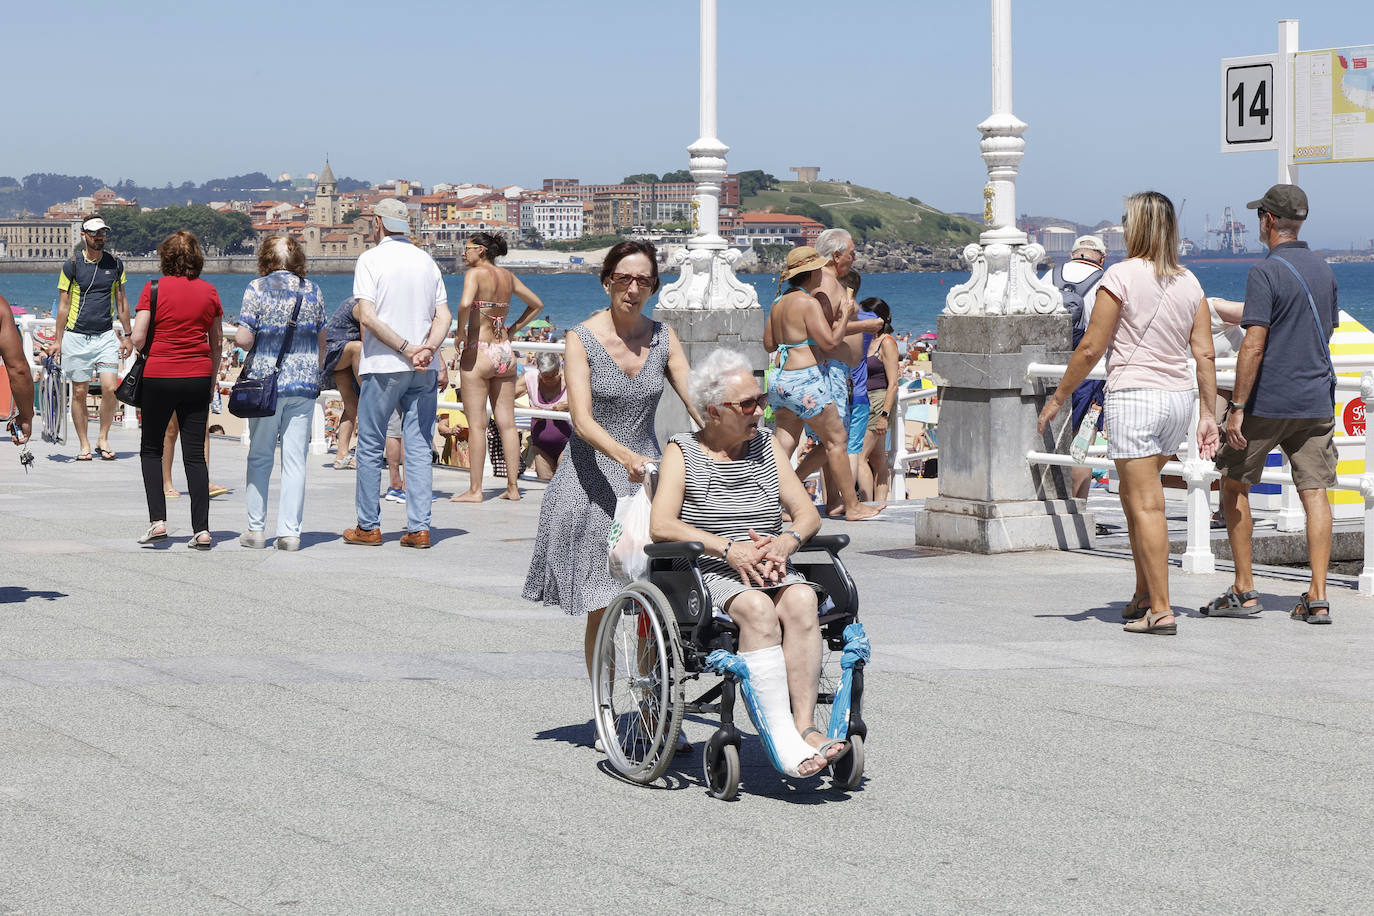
830 682
848 772
637 685
722 772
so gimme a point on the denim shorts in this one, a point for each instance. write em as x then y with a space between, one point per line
86 355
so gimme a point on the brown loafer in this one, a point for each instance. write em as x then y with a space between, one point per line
416 539
372 537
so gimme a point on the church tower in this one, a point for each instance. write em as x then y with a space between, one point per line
325 210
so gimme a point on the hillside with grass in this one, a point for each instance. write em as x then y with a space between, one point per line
869 215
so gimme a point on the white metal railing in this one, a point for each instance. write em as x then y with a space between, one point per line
898 456
1198 472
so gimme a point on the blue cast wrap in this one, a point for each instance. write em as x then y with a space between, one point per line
856 649
723 662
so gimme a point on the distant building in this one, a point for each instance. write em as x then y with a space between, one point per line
807 173
773 229
664 202
1115 239
612 210
39 238
554 218
1057 239
325 210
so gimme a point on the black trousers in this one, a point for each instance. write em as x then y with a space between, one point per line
189 400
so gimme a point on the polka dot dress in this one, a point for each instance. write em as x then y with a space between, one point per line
568 567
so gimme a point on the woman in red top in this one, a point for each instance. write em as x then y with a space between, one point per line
183 364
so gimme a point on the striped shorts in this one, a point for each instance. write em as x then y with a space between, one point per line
1147 421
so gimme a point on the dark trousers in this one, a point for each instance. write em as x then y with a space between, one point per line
189 400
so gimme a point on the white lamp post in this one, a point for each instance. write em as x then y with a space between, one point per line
708 277
991 499
1002 265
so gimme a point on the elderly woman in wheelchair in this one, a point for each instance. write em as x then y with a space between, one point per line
724 548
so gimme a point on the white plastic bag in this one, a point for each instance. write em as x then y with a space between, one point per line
625 558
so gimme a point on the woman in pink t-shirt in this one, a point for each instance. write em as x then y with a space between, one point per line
1149 314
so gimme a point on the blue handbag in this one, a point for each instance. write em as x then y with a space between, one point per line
257 397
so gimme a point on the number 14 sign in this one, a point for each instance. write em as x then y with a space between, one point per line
1248 104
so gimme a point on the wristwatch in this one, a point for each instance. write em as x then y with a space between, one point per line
1235 405
883 413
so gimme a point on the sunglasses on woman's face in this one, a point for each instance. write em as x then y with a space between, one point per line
624 281
748 405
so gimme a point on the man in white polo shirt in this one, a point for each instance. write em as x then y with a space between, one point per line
403 308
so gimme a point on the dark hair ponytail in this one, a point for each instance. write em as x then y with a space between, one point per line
492 244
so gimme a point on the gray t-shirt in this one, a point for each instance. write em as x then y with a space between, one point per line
1294 375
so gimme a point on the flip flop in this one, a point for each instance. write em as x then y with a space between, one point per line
105 454
1232 604
84 456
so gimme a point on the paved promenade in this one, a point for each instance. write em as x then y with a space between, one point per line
361 730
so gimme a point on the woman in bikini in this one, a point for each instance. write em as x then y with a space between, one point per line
801 392
486 361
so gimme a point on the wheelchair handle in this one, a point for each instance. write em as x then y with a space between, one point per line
831 543
675 550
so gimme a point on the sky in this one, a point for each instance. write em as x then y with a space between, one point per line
885 93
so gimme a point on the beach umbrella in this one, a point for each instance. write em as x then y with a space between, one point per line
19 310
929 335
539 323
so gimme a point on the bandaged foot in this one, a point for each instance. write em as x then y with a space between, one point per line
763 682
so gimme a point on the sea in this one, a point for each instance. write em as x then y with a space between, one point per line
916 299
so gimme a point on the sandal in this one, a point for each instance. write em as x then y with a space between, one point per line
820 750
152 534
106 454
1232 604
197 544
1147 624
84 456
1306 610
1136 608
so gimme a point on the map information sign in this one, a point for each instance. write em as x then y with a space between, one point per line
1333 105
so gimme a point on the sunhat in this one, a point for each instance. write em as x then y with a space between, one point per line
800 260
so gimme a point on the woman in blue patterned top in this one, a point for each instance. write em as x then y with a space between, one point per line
268 304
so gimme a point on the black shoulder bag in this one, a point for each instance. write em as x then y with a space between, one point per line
130 390
257 397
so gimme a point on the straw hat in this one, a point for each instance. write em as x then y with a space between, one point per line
800 260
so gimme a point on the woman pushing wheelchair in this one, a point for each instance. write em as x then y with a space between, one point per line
726 486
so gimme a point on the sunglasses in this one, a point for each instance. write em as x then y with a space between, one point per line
748 405
624 281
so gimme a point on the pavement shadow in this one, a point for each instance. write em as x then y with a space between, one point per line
17 594
581 735
1109 614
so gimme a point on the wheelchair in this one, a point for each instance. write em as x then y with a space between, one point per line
656 635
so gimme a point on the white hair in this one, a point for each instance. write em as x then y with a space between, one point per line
708 380
832 241
547 361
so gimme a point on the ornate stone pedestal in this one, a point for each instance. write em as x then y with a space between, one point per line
990 499
702 331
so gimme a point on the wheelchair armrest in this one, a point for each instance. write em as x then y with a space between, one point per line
831 543
676 550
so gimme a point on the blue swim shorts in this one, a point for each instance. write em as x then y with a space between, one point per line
858 426
805 392
85 356
840 382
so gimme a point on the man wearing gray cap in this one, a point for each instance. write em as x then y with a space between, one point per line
90 291
402 306
1284 396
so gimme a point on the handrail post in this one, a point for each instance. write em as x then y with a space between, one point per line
319 443
1291 516
896 449
1365 584
1198 558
